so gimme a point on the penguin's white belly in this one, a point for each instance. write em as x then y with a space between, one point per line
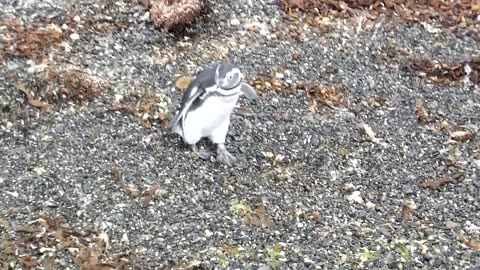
209 116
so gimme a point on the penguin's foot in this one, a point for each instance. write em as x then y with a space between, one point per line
223 156
203 154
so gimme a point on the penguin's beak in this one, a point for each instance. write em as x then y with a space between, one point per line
249 91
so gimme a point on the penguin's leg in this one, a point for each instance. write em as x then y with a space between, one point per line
218 137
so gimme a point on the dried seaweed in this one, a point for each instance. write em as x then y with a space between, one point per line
446 13
89 249
70 84
437 183
265 81
437 72
323 94
34 101
151 107
421 113
174 14
32 42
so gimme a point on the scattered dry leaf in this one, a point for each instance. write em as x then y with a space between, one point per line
259 217
28 261
127 110
315 216
326 95
149 194
462 135
437 183
471 244
406 211
34 101
132 190
369 132
183 82
421 112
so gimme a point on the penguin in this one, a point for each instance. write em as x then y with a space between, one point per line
206 107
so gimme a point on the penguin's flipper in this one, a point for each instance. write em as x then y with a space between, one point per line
248 91
190 96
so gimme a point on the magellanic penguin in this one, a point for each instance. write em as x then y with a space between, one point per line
206 107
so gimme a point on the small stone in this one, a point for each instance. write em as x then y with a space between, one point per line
146 16
74 36
307 260
208 233
235 22
477 162
12 66
451 224
125 237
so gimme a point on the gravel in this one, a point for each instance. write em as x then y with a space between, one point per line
338 199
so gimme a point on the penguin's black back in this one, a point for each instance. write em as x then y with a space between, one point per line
203 80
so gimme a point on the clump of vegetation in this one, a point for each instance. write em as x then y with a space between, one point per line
42 242
174 14
29 41
447 13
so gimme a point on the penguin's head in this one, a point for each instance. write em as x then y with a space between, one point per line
228 76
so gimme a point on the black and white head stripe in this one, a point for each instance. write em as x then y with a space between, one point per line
227 77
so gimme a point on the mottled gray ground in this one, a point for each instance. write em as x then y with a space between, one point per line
335 202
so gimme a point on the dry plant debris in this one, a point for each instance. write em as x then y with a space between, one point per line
258 217
148 107
436 72
471 244
32 42
70 84
43 240
183 82
447 13
174 14
462 135
265 81
34 101
323 94
437 182
59 84
406 212
421 112
279 168
151 107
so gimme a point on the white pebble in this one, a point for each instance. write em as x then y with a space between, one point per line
235 22
74 36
